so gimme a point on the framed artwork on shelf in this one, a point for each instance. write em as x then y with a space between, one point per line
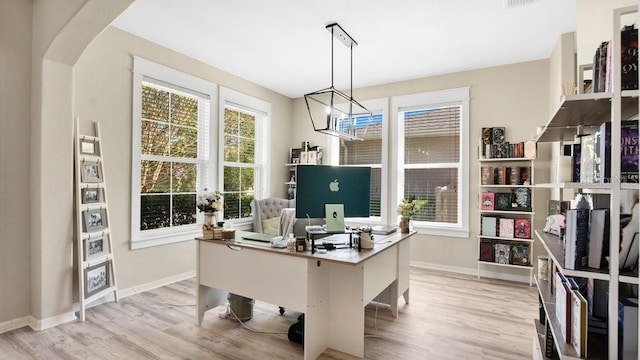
294 157
92 195
94 220
90 172
96 278
89 147
96 246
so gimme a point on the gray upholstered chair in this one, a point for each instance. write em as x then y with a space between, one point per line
271 208
266 209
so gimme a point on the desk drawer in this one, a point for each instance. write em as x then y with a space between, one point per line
279 279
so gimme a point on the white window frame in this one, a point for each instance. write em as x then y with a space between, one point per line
376 106
262 174
142 70
457 96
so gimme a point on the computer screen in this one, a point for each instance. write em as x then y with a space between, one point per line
317 185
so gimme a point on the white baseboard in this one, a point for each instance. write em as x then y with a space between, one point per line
132 290
14 324
472 271
41 324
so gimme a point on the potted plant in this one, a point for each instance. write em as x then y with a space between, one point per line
406 209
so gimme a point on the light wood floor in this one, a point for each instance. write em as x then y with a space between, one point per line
450 316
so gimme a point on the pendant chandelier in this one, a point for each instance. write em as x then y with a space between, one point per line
331 111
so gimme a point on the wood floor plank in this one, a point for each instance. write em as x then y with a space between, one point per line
451 316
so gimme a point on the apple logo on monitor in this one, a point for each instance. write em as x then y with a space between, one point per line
334 185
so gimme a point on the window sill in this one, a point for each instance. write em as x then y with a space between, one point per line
164 238
441 231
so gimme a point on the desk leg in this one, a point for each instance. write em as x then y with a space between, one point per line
406 296
209 298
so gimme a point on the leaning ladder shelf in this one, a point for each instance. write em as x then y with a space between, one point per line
95 261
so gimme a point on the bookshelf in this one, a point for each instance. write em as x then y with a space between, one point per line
583 114
500 188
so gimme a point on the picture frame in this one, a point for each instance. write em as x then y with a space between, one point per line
92 195
97 278
90 172
94 220
294 157
89 147
96 246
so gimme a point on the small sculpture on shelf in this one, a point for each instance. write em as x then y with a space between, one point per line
209 203
408 208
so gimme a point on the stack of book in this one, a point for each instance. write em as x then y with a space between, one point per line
629 63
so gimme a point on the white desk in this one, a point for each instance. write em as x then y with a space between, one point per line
332 289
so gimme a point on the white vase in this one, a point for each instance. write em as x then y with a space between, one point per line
208 219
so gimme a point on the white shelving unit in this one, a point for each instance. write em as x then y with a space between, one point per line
95 261
581 113
512 214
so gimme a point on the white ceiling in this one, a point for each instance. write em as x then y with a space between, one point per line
283 44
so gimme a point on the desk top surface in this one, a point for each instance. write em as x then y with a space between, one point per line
346 255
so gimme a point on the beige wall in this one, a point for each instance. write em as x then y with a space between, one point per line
514 96
15 91
103 93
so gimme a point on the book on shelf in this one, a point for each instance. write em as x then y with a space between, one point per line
522 228
596 70
502 253
486 250
487 139
563 302
575 163
521 199
501 175
520 254
628 152
498 135
628 323
555 207
576 238
488 224
503 201
563 306
598 232
513 177
486 176
579 323
629 58
487 201
525 175
542 315
506 227
588 161
597 298
602 60
550 350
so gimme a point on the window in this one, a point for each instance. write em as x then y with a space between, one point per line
432 158
171 163
244 148
369 152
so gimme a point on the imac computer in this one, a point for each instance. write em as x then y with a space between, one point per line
343 188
